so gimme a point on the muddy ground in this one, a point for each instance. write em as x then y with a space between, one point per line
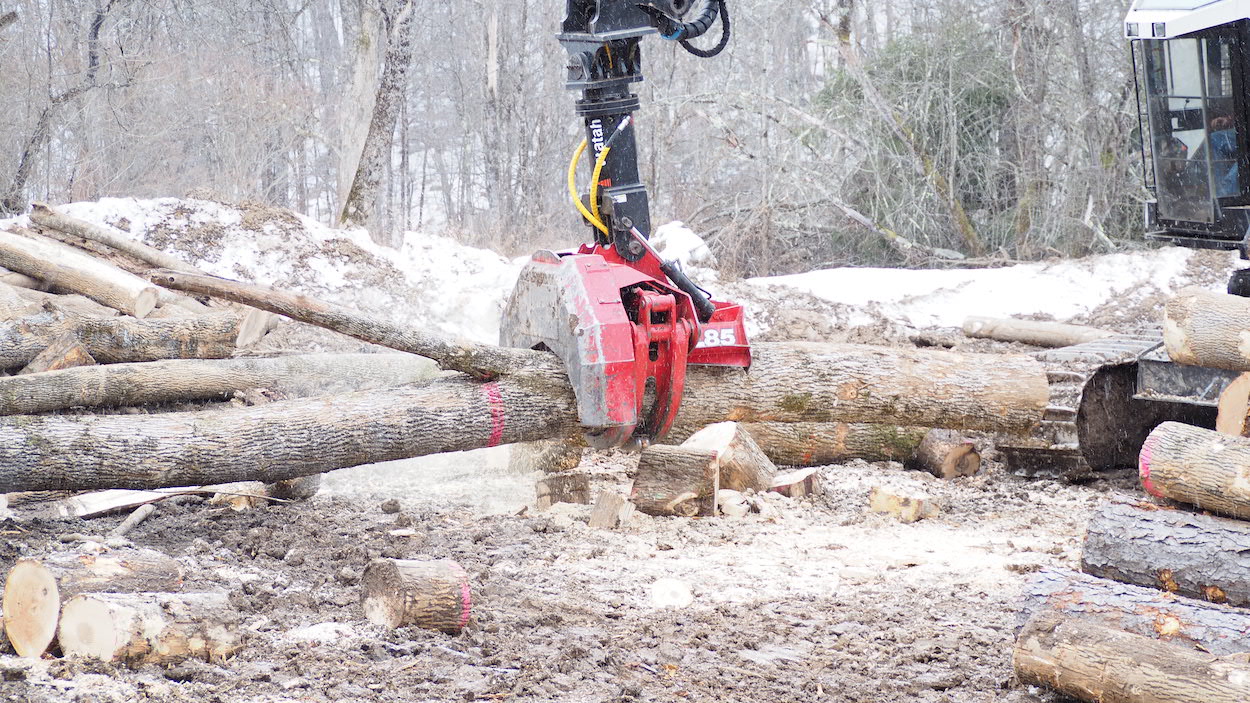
820 601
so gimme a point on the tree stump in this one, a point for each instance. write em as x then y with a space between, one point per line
676 481
1201 467
430 594
742 465
946 454
149 628
1096 663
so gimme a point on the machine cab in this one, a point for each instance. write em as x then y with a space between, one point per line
1191 67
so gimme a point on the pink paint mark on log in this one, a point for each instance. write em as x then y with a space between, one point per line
1143 465
494 400
466 598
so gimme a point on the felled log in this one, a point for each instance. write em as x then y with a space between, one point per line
21 280
676 481
34 590
823 443
149 628
206 379
797 483
946 454
1198 466
1039 334
568 487
69 302
1218 629
1202 328
1233 410
434 595
12 305
120 339
1180 552
47 216
65 352
70 269
1099 664
740 461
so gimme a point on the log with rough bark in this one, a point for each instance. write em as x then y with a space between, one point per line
206 379
1211 627
35 589
434 595
946 454
1180 552
149 628
65 352
1198 466
12 305
568 487
740 461
21 280
1039 334
823 443
72 303
676 481
1100 664
454 413
120 339
47 216
1233 416
1202 328
74 270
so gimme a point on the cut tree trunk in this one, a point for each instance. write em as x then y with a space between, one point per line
13 305
1198 466
206 379
47 216
1202 328
676 481
841 383
1214 628
72 303
823 443
429 594
67 268
120 339
1039 334
149 628
1180 552
946 454
1234 407
65 352
21 280
35 589
1099 664
742 464
569 487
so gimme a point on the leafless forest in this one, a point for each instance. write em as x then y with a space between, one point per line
831 132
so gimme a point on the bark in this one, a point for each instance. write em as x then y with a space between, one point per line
823 443
1041 334
1097 663
45 215
120 339
571 487
202 379
740 462
65 352
67 268
547 457
1202 328
8 18
150 628
946 454
72 303
12 305
1198 466
21 280
676 481
1233 415
1210 627
1180 552
429 594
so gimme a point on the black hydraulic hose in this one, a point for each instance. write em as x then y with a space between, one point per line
724 34
683 32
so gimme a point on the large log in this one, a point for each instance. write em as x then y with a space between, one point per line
1208 329
70 269
1181 552
149 628
822 443
1040 334
1219 629
1099 664
1208 469
47 216
120 339
205 379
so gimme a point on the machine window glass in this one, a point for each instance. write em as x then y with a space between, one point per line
1170 4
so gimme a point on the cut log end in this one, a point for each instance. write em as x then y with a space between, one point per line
159 628
32 603
434 595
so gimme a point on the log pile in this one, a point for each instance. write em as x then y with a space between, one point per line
1178 630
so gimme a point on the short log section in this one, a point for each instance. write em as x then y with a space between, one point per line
676 481
1202 328
946 454
149 628
743 465
434 595
1201 467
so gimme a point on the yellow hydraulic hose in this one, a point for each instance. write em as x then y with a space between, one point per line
592 217
594 181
